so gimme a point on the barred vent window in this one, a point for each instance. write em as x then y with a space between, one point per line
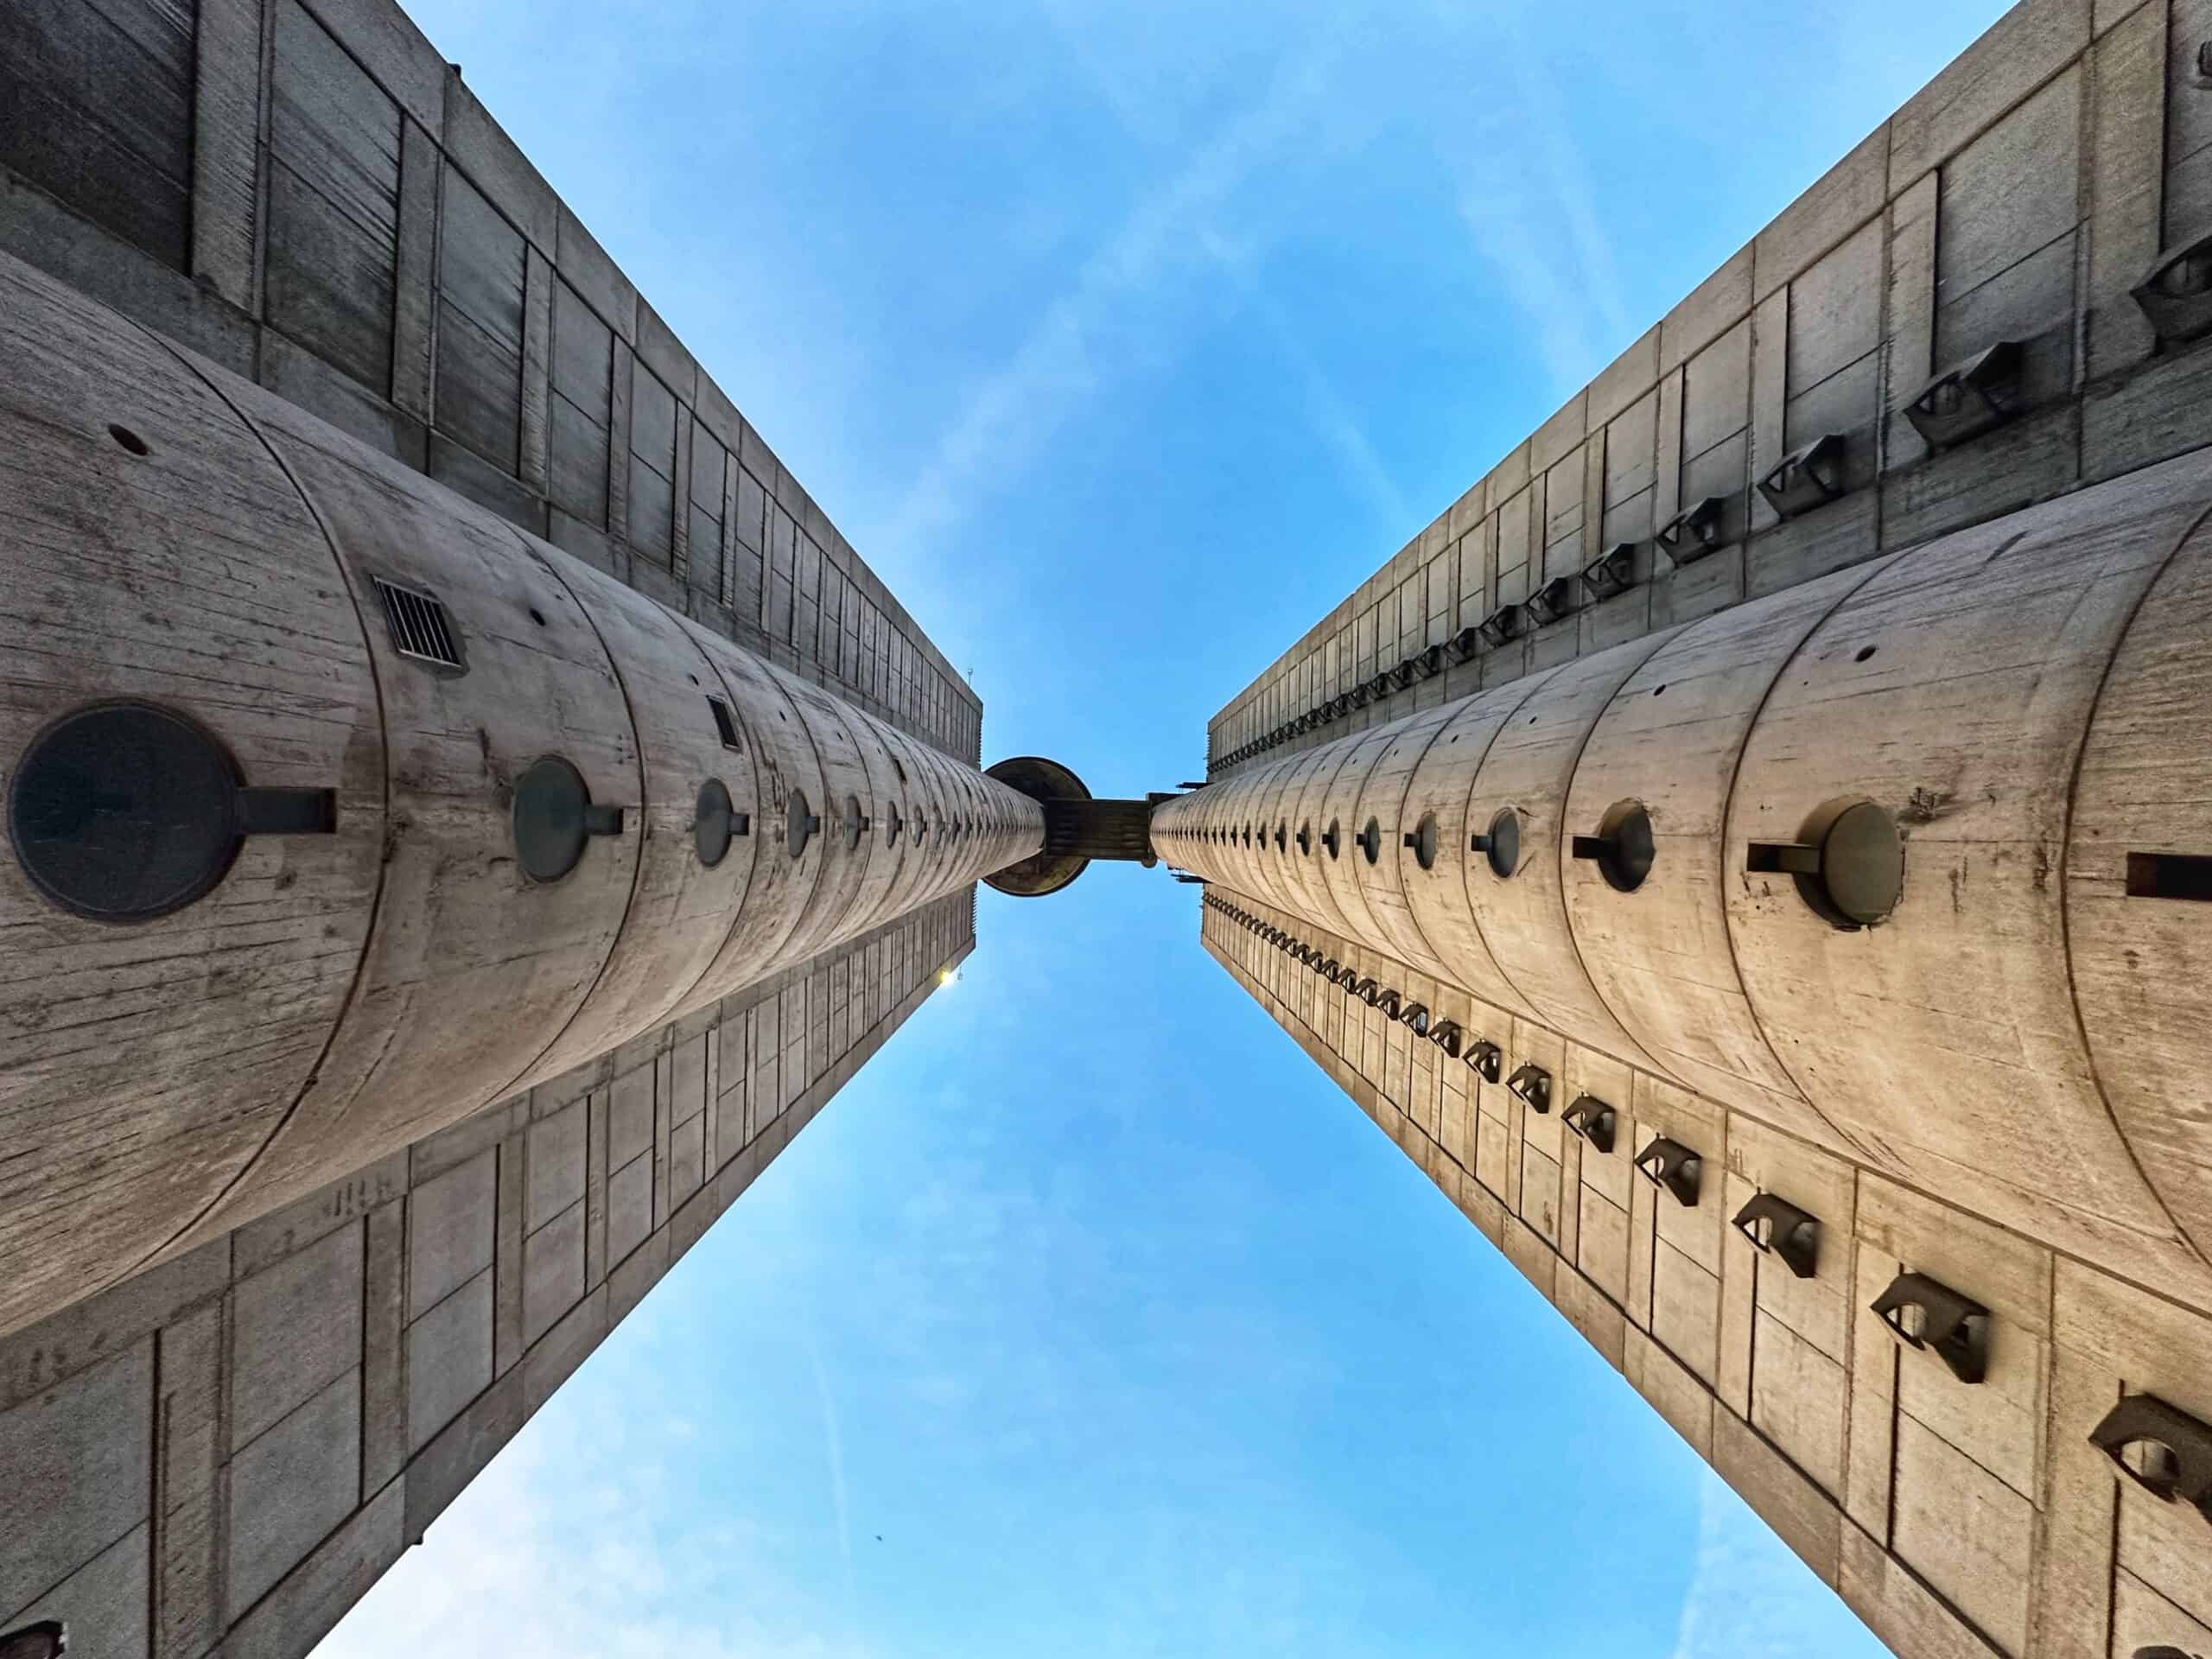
419 627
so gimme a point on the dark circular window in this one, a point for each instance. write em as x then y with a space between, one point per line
713 822
1622 846
1502 842
1423 841
125 811
1862 866
552 817
799 825
1370 840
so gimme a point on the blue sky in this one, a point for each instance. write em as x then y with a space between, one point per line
1123 341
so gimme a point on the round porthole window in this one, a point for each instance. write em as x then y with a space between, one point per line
1423 841
553 818
125 811
714 820
1622 848
1501 843
1848 863
1370 840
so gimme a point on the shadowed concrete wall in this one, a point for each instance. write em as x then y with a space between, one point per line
227 1449
329 997
2018 197
231 1448
306 192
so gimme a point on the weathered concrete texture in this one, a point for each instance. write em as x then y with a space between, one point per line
2017 197
238 1443
1957 1519
360 988
340 218
2011 704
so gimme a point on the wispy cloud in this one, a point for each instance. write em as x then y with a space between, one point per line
1107 317
1333 420
504 1573
1748 1598
1527 202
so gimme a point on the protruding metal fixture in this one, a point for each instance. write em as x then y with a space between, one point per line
2176 294
1551 602
1968 399
553 818
1445 1033
1671 1164
1777 1227
1282 835
1591 1118
1332 839
1694 532
1506 622
1465 644
1848 863
1415 1016
1612 572
48 1639
1622 848
1305 839
1487 1058
1925 1314
127 811
1370 840
1806 477
2161 1448
1533 1084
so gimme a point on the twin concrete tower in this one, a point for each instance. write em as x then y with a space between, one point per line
467 808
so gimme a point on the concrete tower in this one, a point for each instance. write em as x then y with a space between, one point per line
466 808
1753 853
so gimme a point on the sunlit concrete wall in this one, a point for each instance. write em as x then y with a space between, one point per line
2020 196
1998 1087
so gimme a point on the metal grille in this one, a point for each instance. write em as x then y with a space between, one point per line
419 627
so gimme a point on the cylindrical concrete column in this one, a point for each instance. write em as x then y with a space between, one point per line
1912 861
339 808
